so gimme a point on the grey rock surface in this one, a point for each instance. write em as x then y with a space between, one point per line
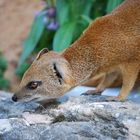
79 118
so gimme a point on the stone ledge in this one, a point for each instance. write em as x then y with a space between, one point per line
80 118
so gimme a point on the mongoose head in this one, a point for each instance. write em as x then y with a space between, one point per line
49 76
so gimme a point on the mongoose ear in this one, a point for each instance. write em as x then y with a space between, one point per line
43 51
59 72
63 73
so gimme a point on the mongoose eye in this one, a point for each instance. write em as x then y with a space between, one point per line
33 85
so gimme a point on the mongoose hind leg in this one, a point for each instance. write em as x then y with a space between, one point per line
129 74
106 81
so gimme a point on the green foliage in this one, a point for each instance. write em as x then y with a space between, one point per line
4 84
62 7
98 8
33 38
64 36
45 40
112 4
20 71
73 17
3 63
73 11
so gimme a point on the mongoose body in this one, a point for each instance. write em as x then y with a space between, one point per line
111 43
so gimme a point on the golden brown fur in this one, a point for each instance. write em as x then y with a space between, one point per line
110 46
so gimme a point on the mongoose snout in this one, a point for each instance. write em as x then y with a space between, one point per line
14 98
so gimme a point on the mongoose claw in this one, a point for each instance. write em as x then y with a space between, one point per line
92 92
84 94
112 99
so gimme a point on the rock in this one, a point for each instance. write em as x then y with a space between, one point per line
79 118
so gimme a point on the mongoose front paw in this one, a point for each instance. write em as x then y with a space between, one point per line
92 92
114 99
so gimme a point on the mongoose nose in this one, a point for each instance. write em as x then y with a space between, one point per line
14 98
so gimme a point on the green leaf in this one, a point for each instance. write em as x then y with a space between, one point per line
1 73
98 8
33 38
21 70
62 8
80 7
45 40
87 19
112 4
64 36
4 84
70 10
81 25
3 64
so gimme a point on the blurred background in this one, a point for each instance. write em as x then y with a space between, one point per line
27 26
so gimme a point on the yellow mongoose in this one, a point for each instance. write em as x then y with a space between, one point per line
111 43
